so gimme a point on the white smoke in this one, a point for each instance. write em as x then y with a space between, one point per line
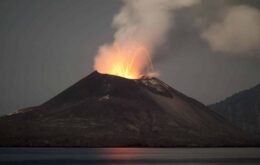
238 32
139 22
147 21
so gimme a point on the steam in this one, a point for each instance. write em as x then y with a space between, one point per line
142 25
146 21
238 32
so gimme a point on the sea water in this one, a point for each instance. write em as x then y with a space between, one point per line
131 156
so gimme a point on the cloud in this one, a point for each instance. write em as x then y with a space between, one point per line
141 26
147 21
238 32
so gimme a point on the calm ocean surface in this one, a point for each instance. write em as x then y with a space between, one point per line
131 156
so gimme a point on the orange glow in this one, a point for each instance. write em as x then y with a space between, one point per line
132 61
121 153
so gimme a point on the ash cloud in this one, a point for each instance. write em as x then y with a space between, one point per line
237 32
147 21
140 22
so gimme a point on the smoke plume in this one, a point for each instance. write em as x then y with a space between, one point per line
141 26
238 32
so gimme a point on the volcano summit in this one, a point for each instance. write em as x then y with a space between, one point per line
108 111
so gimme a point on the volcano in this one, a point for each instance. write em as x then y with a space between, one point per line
103 110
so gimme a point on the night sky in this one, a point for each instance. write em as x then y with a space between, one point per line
48 45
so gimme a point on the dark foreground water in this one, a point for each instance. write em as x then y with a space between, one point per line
131 156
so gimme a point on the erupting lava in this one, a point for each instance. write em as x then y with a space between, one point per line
130 62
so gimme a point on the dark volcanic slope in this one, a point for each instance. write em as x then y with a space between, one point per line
103 110
242 109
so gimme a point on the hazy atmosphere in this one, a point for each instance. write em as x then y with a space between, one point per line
209 52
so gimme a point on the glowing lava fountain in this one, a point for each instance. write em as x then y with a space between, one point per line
132 62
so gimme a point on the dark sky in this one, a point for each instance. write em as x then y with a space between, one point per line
46 46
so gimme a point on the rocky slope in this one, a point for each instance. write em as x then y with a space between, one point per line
242 109
109 111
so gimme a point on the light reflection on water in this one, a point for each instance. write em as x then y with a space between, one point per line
131 156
